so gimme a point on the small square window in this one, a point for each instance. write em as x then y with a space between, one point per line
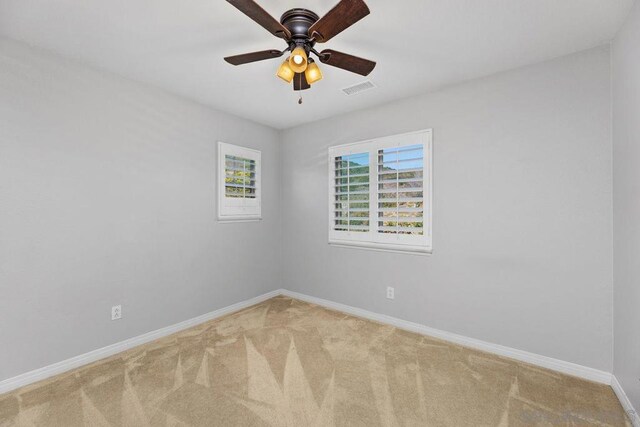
239 195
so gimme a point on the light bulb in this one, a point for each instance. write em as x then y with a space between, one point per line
298 60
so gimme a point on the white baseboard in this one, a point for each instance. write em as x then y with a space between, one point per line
626 403
523 356
95 355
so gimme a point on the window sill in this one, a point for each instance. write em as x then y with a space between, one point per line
231 220
381 247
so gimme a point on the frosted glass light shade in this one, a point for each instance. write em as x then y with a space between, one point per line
313 73
285 72
298 60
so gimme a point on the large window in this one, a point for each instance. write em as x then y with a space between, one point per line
239 196
380 193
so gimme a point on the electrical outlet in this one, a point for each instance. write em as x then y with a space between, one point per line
116 312
391 293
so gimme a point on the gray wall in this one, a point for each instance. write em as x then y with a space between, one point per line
522 212
626 206
107 195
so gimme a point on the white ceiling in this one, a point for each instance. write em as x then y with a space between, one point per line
419 45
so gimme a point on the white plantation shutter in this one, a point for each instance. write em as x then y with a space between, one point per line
240 177
380 193
351 193
400 190
239 196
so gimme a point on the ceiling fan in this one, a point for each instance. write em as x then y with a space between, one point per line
301 29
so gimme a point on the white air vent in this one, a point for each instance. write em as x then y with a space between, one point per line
358 88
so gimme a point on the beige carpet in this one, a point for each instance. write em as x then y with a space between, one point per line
288 363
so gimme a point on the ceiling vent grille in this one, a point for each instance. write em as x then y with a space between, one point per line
358 88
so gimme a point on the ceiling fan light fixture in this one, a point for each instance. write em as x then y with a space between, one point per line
312 73
285 72
298 60
301 29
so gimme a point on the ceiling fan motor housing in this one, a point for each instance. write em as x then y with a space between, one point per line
298 21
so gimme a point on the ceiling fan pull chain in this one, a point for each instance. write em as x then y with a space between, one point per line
300 90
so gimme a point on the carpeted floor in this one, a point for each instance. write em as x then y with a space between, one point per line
289 363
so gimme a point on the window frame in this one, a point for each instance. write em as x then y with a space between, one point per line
372 239
238 209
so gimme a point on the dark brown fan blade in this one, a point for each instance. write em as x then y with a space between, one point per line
342 16
300 82
347 62
262 17
253 57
